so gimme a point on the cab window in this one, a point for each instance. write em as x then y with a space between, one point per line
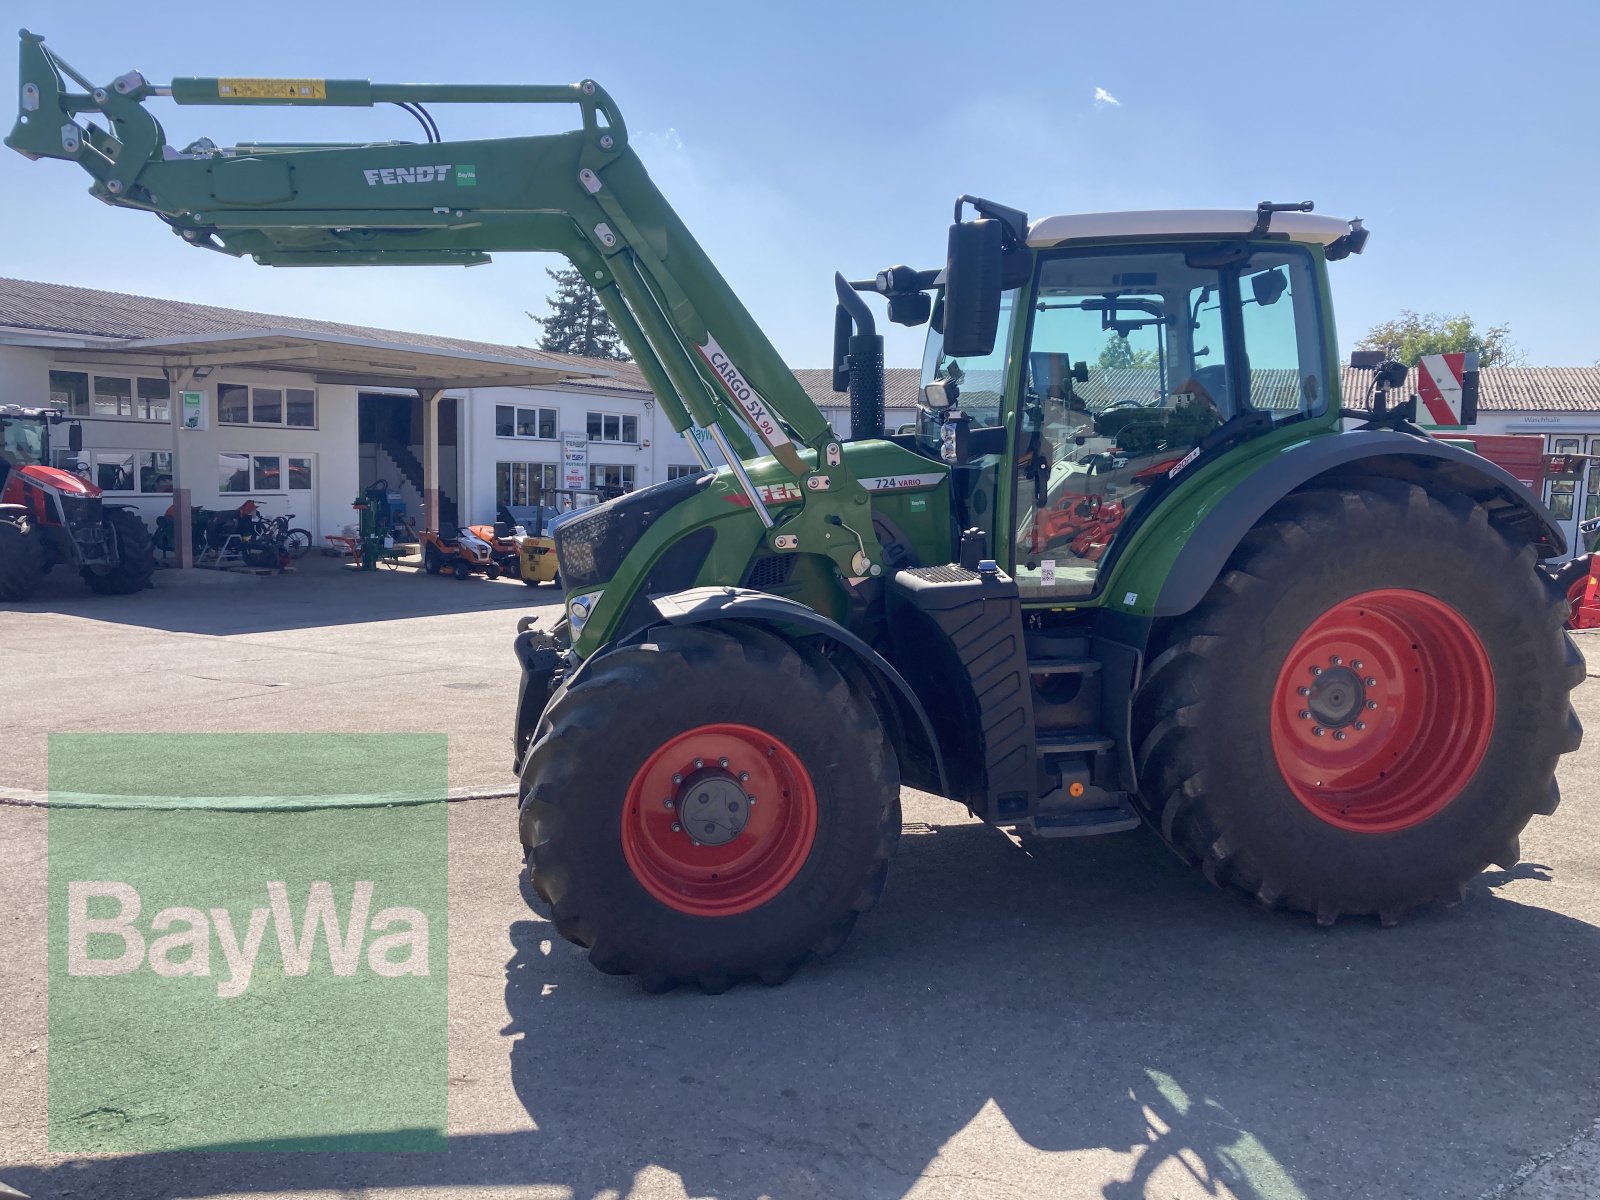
1134 357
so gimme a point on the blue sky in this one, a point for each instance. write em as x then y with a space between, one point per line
796 140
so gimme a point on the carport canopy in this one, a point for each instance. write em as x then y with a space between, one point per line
337 358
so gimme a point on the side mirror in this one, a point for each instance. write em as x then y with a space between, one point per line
941 394
1367 360
1269 286
75 436
972 288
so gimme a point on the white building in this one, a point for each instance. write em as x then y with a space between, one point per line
302 415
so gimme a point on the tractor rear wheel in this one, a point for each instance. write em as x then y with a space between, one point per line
136 555
711 805
22 559
1365 710
1572 578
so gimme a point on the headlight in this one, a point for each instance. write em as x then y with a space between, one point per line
578 610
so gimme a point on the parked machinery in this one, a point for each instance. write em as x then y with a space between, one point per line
50 517
1319 663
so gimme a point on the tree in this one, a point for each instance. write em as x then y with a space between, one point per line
578 323
1412 334
1118 353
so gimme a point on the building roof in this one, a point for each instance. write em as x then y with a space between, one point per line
176 332
1510 389
900 387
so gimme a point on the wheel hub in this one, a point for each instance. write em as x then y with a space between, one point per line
1336 699
712 807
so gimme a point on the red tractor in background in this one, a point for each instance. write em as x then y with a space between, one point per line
50 517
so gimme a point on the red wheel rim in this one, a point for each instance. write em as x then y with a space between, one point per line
1382 711
719 820
1575 595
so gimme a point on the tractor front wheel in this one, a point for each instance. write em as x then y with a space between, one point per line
22 559
1365 710
136 556
708 806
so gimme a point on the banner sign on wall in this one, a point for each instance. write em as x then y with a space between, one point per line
194 410
574 460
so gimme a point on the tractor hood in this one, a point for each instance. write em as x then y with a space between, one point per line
56 480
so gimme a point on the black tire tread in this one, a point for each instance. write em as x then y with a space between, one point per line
576 716
1170 722
136 556
22 560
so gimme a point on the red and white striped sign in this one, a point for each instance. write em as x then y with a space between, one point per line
1439 378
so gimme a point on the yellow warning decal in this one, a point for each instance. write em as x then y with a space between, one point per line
272 89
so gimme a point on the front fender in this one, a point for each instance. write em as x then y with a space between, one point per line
707 604
1344 458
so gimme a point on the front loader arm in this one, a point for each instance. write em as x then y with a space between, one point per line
583 194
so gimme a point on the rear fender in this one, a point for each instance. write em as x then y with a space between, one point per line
1346 459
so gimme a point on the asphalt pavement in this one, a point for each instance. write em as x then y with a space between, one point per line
1053 1019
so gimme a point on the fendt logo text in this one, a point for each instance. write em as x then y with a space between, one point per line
388 175
184 944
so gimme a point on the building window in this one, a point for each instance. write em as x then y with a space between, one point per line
240 404
301 408
523 482
233 404
247 473
69 391
682 471
113 396
511 421
613 427
611 477
124 397
130 472
152 399
266 406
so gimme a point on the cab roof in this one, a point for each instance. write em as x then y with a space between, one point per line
1180 222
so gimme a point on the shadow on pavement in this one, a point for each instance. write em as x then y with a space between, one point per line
319 592
1090 997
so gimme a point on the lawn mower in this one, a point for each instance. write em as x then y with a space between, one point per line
460 552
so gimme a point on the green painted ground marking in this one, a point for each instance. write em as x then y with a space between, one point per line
249 949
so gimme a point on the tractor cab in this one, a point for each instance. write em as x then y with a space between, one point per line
25 439
1125 348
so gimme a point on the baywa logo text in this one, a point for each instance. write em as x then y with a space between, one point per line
179 939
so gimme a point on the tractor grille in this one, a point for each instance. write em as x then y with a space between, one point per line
590 547
769 571
82 517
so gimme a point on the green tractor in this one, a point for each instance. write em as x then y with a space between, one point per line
1130 566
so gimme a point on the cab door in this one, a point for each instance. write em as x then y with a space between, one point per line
1134 357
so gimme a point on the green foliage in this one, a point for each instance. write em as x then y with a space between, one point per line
1118 353
1411 335
578 323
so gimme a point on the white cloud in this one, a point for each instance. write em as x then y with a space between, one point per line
1103 99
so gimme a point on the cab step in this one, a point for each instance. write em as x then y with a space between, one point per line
1072 741
1064 666
1084 822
